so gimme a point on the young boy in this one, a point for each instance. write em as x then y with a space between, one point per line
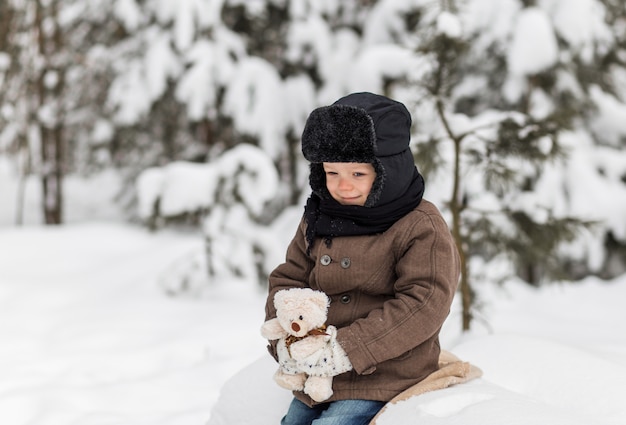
384 256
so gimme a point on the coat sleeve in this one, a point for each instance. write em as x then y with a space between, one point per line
427 273
293 273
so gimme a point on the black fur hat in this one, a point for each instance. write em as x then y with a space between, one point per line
361 127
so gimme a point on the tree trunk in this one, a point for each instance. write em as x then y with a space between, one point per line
467 294
456 207
23 164
51 133
52 177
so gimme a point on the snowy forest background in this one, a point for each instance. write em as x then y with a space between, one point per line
192 111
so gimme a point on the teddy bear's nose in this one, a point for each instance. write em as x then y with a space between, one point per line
295 327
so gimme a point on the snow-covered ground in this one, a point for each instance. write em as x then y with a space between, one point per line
90 337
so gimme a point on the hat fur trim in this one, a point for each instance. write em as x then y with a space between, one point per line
339 133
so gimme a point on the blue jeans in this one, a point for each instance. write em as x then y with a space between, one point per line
341 412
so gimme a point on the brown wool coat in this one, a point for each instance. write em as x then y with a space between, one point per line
390 294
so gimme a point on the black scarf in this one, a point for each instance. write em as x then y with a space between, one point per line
328 218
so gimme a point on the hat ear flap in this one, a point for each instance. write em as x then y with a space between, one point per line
317 180
377 185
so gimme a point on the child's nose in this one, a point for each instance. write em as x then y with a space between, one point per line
344 184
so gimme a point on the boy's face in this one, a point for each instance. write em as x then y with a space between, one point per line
349 183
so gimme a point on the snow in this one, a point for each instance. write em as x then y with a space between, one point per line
448 24
383 61
130 93
89 337
243 169
582 23
128 12
103 322
611 123
95 333
160 64
498 17
534 46
197 85
255 91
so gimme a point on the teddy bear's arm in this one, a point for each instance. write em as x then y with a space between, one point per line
272 330
307 346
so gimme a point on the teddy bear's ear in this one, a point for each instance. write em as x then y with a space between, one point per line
296 295
279 298
321 300
286 296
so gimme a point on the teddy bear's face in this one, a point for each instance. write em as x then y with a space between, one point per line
300 324
301 310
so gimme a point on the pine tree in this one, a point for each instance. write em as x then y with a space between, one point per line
506 135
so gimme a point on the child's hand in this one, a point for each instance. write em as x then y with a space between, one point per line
331 331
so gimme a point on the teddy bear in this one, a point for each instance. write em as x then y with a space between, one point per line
308 353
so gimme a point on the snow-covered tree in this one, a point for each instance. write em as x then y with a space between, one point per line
508 99
51 85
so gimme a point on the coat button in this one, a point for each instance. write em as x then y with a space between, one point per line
345 299
325 260
345 262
